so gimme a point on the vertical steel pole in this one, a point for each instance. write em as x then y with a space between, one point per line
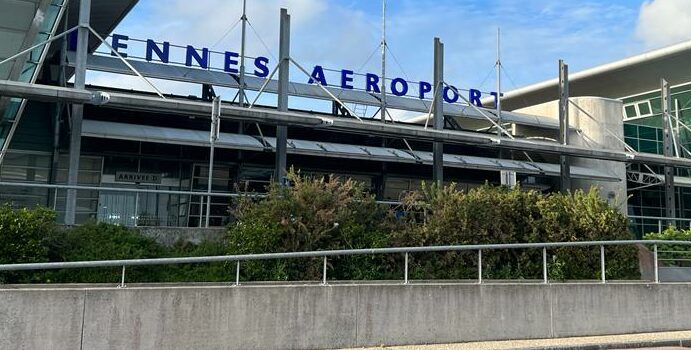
667 144
565 178
213 136
602 264
241 92
382 110
324 274
676 130
438 147
122 278
201 210
479 266
544 265
405 273
77 111
237 273
283 81
499 119
659 225
655 262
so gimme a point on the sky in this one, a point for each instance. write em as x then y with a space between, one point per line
345 34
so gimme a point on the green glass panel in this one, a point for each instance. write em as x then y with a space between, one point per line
646 133
644 108
648 146
630 111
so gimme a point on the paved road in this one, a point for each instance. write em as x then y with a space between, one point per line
559 343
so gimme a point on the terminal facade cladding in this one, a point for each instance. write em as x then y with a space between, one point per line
150 150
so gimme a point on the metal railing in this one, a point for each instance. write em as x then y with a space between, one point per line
325 255
203 197
648 224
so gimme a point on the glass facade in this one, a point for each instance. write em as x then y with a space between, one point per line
643 131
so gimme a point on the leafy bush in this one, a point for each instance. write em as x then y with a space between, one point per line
100 241
24 235
448 216
312 214
332 213
672 251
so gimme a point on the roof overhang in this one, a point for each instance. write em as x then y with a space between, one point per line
156 134
630 76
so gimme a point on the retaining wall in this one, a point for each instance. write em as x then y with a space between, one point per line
333 316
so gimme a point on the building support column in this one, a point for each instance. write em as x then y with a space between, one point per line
565 171
77 111
283 83
668 151
438 147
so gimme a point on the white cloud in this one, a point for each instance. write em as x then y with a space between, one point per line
664 22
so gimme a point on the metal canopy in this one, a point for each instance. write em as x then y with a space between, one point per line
217 78
134 132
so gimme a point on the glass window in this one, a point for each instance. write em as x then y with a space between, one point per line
630 112
644 108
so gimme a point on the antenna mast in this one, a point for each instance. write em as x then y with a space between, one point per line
498 105
241 92
383 63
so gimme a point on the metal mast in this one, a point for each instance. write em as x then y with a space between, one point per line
241 92
499 121
77 111
383 62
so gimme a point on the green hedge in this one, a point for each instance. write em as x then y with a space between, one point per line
673 251
304 217
24 236
331 213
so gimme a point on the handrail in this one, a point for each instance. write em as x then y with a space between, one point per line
322 253
657 218
348 252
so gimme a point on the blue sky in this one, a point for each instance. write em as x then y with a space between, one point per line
343 33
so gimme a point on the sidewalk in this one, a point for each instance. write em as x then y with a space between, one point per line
668 340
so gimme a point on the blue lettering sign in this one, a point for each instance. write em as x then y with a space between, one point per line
454 98
202 57
372 83
262 65
424 88
163 54
72 41
404 87
346 79
317 74
475 97
202 61
117 44
230 60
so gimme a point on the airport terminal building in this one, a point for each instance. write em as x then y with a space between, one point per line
141 164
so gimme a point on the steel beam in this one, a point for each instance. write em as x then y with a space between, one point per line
214 132
77 111
668 151
283 84
185 107
438 147
565 178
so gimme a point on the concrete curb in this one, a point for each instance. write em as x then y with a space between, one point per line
684 343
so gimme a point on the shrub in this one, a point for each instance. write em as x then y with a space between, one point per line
448 216
672 251
24 234
101 241
312 214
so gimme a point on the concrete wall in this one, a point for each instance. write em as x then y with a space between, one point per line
606 115
334 316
